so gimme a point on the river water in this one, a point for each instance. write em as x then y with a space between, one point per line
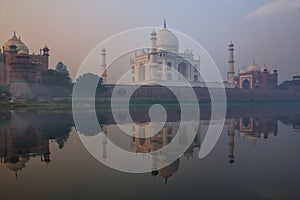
256 157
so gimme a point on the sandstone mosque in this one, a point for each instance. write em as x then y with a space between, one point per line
17 65
154 66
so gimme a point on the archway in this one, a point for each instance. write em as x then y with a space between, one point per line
183 69
246 122
246 84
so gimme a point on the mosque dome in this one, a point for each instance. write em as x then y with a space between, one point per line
22 51
242 71
18 43
167 40
253 67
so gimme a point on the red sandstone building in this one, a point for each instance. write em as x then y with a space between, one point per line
17 65
255 77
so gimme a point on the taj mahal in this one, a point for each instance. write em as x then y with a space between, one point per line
162 63
157 66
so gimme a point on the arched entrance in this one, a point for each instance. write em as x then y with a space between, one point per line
183 69
246 122
246 84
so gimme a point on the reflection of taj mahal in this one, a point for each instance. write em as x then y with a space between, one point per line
142 142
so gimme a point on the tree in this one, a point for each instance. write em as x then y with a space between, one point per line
60 76
84 82
62 68
53 77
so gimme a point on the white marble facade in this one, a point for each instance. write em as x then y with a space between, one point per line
162 62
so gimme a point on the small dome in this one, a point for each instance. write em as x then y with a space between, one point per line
21 51
188 52
167 40
17 42
263 69
296 75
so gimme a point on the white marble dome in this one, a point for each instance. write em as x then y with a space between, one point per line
18 43
167 40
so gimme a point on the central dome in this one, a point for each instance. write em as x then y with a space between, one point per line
18 43
167 40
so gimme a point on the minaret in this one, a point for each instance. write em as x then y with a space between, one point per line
103 66
230 65
153 55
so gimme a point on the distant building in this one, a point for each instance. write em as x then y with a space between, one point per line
17 65
293 84
255 77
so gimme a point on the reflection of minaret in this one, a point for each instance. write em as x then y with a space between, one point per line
231 141
104 143
230 65
45 157
103 66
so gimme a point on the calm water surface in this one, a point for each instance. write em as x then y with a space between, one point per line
256 157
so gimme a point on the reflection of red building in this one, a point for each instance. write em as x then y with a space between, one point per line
252 128
18 143
255 77
17 65
255 128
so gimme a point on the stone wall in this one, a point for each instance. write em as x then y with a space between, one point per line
33 90
232 94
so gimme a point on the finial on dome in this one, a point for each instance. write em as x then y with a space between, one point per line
165 24
14 33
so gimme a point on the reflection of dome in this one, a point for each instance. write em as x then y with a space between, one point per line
18 165
253 140
169 170
167 40
18 43
253 67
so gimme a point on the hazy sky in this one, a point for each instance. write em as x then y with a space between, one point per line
267 31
